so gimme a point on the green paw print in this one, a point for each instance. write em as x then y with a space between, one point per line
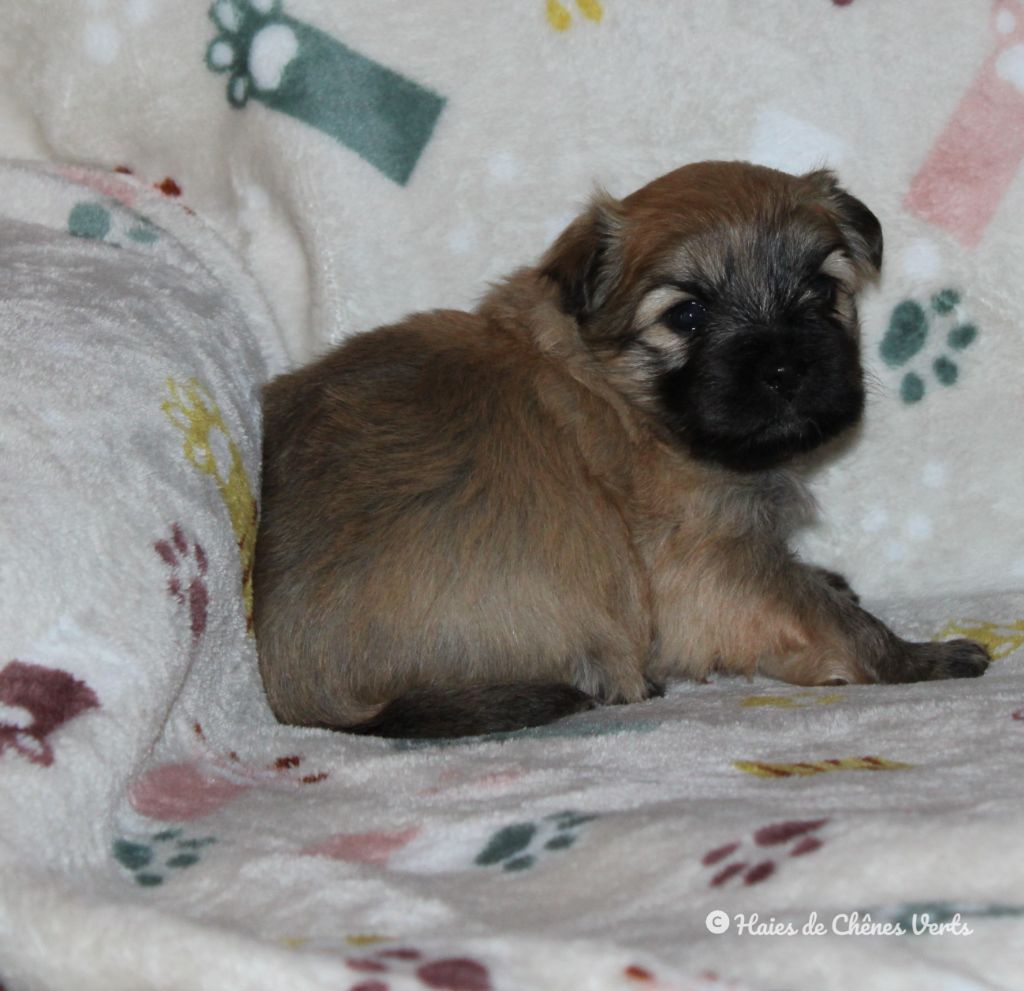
297 69
911 330
167 850
246 30
517 847
95 222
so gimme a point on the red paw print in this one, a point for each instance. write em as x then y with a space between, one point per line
35 701
776 835
445 974
187 581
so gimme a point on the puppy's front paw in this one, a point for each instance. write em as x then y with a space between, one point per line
634 690
961 659
948 659
655 689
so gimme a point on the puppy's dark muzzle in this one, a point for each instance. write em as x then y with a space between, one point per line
782 376
770 394
777 364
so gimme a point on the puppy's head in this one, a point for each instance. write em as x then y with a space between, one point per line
720 298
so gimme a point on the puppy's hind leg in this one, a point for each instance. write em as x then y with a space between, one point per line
616 684
611 674
474 710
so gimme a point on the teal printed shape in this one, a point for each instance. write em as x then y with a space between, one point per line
149 860
506 843
908 914
908 330
96 222
299 70
89 220
911 331
516 847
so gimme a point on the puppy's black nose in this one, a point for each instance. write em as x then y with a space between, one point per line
782 377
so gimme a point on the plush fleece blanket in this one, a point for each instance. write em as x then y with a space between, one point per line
289 173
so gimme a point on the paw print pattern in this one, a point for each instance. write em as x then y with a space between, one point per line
560 18
191 790
910 333
937 913
447 973
94 221
35 701
796 700
298 70
363 848
806 768
149 860
210 449
516 847
187 562
168 187
113 217
753 867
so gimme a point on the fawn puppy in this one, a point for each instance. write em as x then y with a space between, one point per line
481 521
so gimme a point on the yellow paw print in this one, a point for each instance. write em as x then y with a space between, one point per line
798 700
560 18
802 769
210 449
366 939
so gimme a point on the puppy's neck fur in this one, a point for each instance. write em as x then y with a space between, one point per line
526 307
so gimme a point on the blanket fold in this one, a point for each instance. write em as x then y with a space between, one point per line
269 177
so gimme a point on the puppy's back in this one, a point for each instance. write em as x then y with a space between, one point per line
428 523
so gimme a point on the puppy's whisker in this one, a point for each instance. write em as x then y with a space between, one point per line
874 387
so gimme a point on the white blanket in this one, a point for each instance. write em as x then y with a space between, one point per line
157 828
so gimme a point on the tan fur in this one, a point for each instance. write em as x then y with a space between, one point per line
464 499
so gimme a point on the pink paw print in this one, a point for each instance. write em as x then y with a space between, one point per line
197 788
187 582
752 867
363 848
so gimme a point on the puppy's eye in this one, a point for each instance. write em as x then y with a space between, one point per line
825 288
686 317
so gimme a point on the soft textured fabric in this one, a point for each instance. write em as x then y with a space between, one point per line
372 160
157 828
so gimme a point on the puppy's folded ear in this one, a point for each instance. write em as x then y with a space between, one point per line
860 227
586 260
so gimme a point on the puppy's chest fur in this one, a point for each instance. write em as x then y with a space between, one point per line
682 536
702 537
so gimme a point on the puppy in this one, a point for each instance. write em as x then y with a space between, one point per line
479 522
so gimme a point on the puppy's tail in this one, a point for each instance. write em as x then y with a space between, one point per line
436 713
